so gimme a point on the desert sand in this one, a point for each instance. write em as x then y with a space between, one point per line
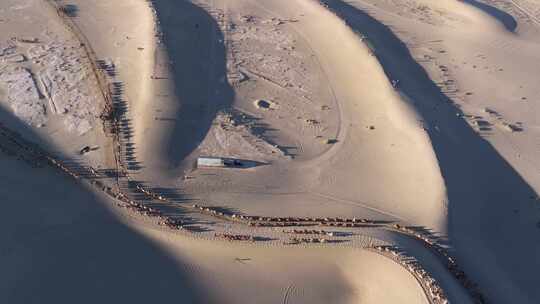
385 151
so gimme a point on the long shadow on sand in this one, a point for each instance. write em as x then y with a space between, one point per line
506 19
194 42
492 214
60 244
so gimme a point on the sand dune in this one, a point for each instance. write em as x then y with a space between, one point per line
364 96
494 194
391 145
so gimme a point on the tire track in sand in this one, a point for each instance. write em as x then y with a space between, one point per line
287 293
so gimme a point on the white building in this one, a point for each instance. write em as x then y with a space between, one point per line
220 162
210 162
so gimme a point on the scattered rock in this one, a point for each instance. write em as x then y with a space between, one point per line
481 123
7 48
87 149
490 111
84 150
15 58
263 104
330 141
247 18
511 127
27 40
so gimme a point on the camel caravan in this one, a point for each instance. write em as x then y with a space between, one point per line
172 223
260 221
445 256
307 231
296 241
431 287
235 237
36 157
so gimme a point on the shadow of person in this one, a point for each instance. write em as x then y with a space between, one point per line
491 214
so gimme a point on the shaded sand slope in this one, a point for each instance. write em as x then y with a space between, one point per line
192 57
59 243
491 214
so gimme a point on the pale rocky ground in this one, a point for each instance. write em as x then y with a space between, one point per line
307 92
47 78
46 81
